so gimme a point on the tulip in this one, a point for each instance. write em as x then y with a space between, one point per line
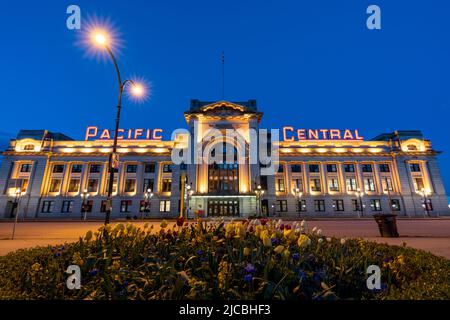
163 224
246 251
303 241
279 249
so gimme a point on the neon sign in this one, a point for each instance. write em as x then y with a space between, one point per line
291 134
94 133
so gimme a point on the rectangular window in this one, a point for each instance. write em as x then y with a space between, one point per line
92 185
338 205
131 168
125 206
280 168
167 168
356 205
95 168
166 185
384 167
331 167
24 185
369 185
387 184
88 206
149 167
301 205
319 205
314 168
349 167
58 168
298 184
366 167
280 185
375 204
74 185
263 182
281 205
77 168
148 184
164 206
130 185
103 206
350 183
25 167
418 184
67 206
47 206
114 185
315 185
333 184
296 168
55 185
395 204
414 167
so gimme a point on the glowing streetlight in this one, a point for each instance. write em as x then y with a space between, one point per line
298 195
102 39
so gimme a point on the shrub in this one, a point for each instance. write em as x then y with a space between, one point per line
221 261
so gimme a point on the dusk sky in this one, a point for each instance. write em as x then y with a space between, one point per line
309 64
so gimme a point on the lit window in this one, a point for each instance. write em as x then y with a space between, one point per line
164 206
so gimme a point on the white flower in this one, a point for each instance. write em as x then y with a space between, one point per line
314 229
319 232
328 239
342 241
303 223
320 240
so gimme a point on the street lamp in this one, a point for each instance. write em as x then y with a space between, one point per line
359 193
84 196
101 40
147 197
17 195
424 193
298 196
259 193
189 194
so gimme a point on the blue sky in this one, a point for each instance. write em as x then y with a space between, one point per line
309 64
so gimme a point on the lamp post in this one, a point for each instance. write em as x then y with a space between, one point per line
84 196
189 193
100 39
17 195
359 193
298 196
424 194
148 194
259 193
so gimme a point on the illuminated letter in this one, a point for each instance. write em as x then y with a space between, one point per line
129 133
284 133
348 135
89 134
301 134
147 135
118 132
137 133
74 20
373 21
105 134
156 137
324 133
357 137
313 133
335 133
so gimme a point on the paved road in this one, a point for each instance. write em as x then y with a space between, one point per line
427 234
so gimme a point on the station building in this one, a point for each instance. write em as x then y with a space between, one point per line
319 172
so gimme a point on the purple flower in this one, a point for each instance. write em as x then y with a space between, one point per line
296 256
93 272
248 278
274 240
199 252
301 274
250 268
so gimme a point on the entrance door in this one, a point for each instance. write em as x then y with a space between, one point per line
223 208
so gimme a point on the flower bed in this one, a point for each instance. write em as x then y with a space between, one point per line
251 260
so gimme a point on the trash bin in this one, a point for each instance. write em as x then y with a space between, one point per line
387 224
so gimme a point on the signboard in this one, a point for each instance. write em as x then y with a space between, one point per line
291 134
94 133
